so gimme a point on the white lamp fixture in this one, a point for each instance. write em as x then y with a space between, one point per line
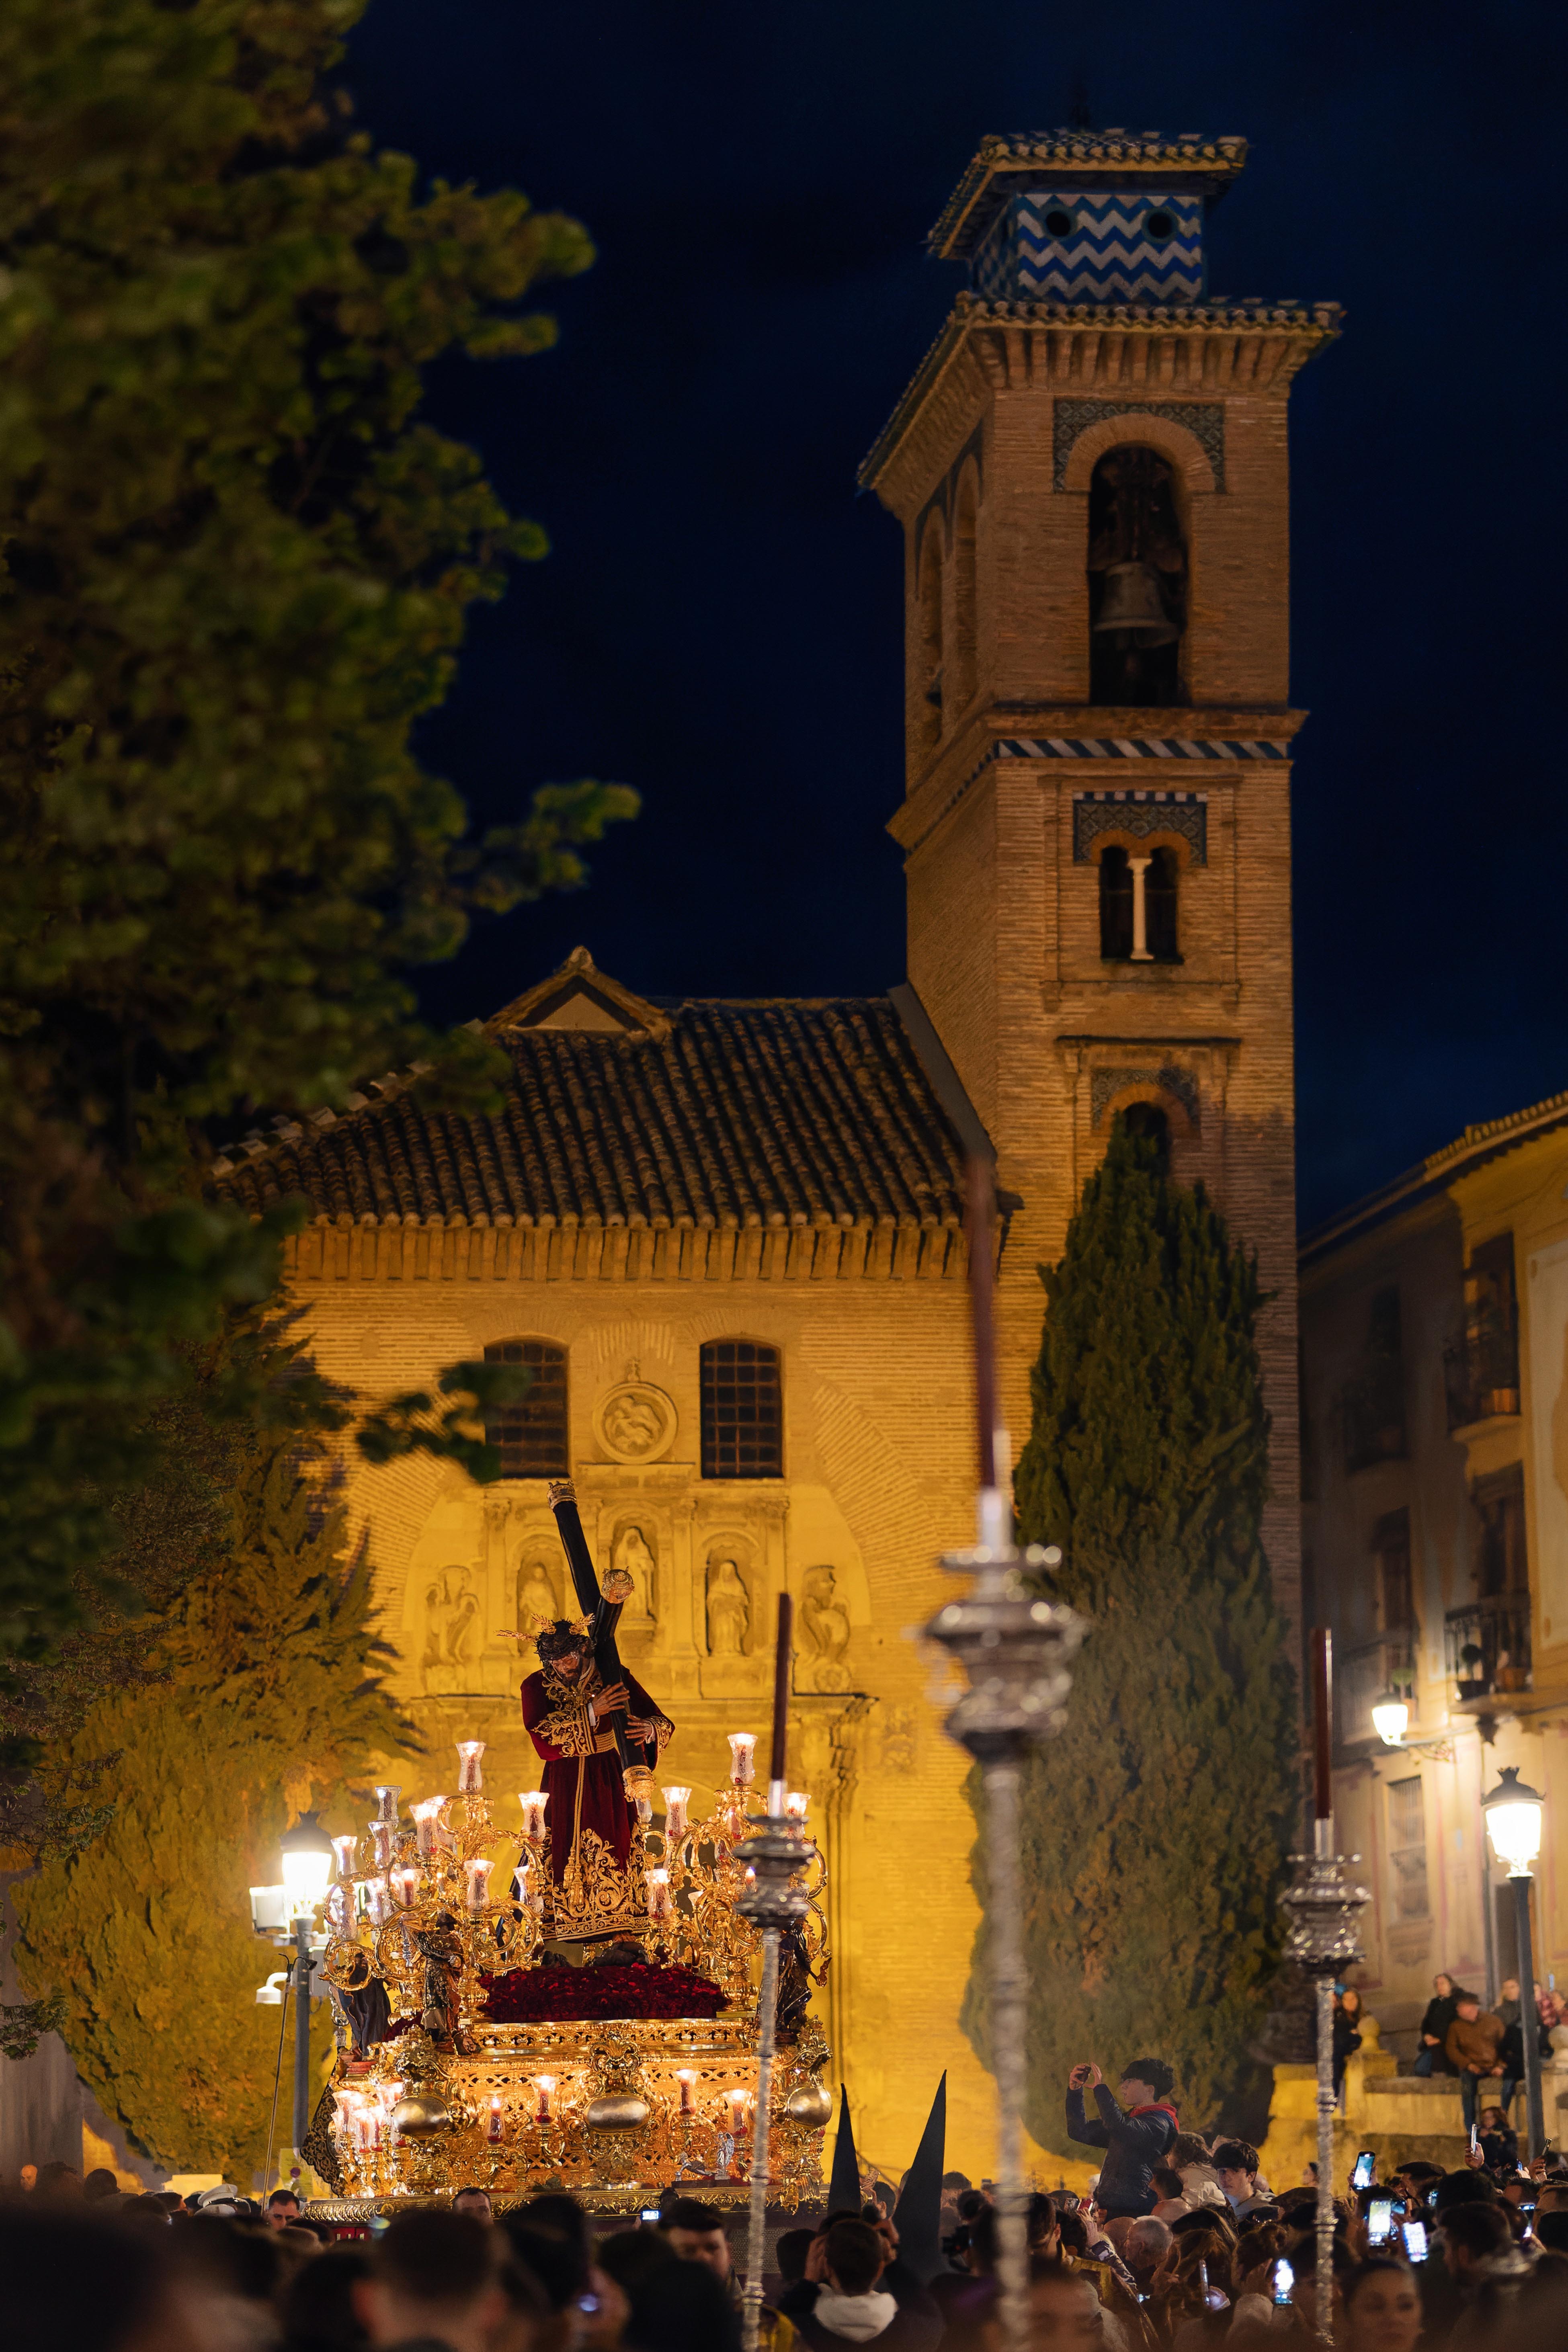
268 1909
1513 1813
307 1864
1389 1717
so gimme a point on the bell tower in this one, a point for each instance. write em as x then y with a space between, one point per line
1090 470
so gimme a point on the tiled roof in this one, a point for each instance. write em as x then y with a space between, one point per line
1484 1140
1210 164
700 1114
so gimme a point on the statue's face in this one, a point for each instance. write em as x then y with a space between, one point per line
566 1665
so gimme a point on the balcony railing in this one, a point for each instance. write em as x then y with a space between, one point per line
1365 1675
1488 1645
1481 1370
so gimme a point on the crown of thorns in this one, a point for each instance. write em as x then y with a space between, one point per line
553 1638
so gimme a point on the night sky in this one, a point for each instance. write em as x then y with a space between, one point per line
719 621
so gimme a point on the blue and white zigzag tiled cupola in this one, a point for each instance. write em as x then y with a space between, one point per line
1088 216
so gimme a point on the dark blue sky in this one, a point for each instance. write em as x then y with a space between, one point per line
719 622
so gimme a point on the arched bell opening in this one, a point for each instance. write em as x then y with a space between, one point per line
1137 580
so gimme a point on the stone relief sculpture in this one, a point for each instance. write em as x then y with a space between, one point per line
453 1632
632 1553
824 1633
728 1611
537 1596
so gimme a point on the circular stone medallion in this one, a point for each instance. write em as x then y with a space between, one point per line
635 1421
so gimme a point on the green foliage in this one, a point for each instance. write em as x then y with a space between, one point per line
236 566
272 1699
24 2023
1155 1826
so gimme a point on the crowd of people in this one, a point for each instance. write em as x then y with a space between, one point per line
1180 2243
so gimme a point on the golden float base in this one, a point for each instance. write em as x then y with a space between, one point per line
617 2122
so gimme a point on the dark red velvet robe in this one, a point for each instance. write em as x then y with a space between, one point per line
590 1821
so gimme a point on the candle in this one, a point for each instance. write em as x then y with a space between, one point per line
781 1706
544 2085
344 1849
493 2131
675 1803
659 1894
375 1900
338 1918
737 2102
743 1749
381 1837
476 1881
687 2078
532 1804
405 1886
797 1804
425 1815
470 1780
386 1797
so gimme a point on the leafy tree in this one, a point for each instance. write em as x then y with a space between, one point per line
261 1694
237 564
1155 1826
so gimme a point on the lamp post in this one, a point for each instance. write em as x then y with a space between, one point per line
307 1874
1512 1814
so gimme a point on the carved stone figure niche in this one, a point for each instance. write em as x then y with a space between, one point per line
538 1591
634 1547
454 1632
733 1606
822 1633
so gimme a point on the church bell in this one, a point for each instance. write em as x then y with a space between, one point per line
1132 605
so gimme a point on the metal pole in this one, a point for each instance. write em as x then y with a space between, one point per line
762 2119
1009 1986
1488 1922
1529 2018
301 2034
277 2083
1325 2224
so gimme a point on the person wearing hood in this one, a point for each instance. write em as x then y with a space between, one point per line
852 2308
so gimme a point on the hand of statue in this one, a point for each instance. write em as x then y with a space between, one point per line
612 1701
637 1728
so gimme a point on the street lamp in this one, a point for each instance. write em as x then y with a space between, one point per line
1513 1815
307 1873
1389 1717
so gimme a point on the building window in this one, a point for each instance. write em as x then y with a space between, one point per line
1408 1847
1482 1369
1373 1404
1504 1564
928 646
743 1411
531 1435
1137 580
962 667
1137 906
1395 1586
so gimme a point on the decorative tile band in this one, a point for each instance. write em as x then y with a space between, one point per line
1132 746
1180 1084
1141 814
1204 419
1073 245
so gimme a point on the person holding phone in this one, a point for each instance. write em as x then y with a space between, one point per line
1137 2131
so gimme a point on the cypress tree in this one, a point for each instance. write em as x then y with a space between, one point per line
1154 1828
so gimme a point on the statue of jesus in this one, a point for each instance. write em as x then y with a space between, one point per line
572 1708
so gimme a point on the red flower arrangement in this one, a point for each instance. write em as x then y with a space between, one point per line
557 1995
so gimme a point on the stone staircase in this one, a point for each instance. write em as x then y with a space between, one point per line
1400 2116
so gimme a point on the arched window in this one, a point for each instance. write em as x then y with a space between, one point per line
928 647
1149 1120
1137 580
1160 906
1115 905
1138 905
743 1411
962 667
533 1434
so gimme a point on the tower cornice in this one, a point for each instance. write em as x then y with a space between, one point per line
1123 349
1088 158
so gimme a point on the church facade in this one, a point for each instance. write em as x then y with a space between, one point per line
726 1237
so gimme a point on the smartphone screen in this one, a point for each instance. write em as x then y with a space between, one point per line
1284 2280
1415 2240
1380 2221
1475 2141
1365 2165
649 2213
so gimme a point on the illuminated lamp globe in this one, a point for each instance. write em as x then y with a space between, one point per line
1389 1717
307 1864
1513 1813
